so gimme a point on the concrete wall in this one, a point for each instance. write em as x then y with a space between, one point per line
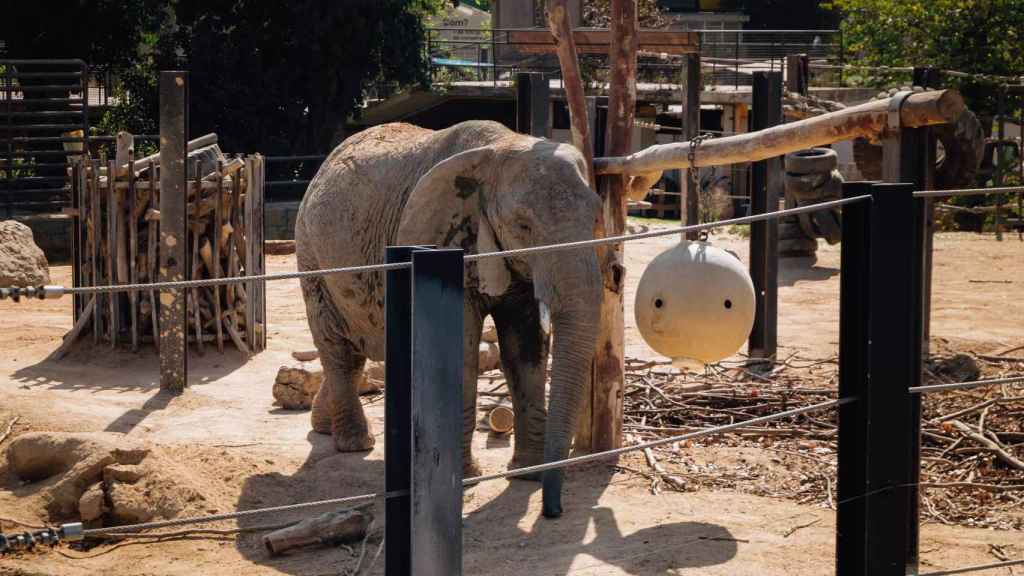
279 220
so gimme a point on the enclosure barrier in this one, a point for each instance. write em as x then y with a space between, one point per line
879 373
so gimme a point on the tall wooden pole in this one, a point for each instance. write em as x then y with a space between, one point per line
608 381
173 198
572 81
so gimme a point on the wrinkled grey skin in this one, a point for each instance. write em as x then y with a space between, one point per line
481 187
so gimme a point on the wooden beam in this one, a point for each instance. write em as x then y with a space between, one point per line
598 41
867 120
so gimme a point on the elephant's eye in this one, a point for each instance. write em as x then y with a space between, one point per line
523 227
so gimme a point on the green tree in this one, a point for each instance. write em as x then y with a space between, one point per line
975 36
285 76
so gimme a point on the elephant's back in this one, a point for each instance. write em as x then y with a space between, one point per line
345 214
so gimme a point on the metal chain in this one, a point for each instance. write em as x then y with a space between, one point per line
691 156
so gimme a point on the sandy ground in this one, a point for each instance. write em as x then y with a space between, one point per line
252 454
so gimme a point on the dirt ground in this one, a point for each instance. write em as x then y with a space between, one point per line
242 452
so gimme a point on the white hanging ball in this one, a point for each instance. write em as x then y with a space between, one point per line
695 302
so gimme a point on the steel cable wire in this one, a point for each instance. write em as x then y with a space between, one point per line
475 480
56 291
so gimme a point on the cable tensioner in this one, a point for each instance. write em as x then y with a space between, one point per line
16 293
44 537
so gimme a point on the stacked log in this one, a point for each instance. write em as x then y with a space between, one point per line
119 222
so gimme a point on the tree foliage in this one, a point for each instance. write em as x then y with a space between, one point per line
275 77
975 36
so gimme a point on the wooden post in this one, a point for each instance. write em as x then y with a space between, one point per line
608 380
95 233
173 231
765 191
437 354
572 81
533 97
133 253
691 128
218 221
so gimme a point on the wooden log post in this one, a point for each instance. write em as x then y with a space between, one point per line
608 380
691 128
572 80
867 120
173 229
765 191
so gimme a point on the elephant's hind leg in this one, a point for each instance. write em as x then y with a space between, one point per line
336 407
473 323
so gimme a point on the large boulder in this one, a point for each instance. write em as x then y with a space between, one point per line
22 263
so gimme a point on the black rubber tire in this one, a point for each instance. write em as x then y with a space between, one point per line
812 161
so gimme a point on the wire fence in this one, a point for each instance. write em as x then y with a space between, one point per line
76 531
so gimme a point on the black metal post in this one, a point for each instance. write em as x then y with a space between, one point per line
397 410
765 191
173 228
894 363
533 95
436 463
854 314
909 157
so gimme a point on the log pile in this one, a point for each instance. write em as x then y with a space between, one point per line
117 242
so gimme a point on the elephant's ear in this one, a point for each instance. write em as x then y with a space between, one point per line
446 208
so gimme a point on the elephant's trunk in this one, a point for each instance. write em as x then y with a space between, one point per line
575 317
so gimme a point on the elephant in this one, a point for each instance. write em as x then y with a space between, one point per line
484 188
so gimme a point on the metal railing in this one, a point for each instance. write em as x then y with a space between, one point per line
729 57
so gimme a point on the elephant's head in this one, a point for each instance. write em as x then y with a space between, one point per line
518 193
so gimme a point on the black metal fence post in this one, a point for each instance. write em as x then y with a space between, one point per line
878 523
436 463
397 410
854 315
533 95
765 191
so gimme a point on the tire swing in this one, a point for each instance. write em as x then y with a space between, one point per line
695 301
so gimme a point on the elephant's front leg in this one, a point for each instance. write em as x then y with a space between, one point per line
524 359
473 324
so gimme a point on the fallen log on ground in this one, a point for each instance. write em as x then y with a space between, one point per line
331 528
866 120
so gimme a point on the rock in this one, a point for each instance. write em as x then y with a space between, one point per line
92 505
22 263
129 503
305 355
957 368
127 473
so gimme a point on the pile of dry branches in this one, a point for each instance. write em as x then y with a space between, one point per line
972 469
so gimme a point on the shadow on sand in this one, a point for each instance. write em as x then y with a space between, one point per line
504 536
